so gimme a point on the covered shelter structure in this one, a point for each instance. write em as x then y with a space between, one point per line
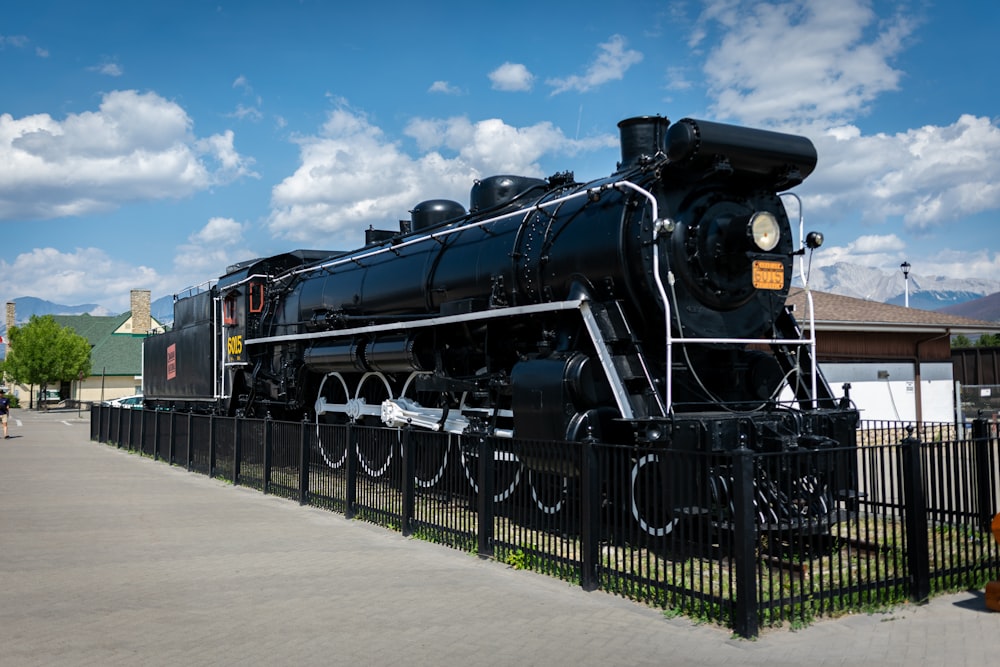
897 360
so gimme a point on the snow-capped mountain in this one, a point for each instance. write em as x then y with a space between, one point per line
871 284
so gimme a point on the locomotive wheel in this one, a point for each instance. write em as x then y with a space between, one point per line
548 491
375 450
647 498
804 501
331 408
507 472
430 449
366 409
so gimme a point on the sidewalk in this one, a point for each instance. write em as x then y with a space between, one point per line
109 558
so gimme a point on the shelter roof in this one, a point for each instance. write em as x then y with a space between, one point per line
110 353
835 312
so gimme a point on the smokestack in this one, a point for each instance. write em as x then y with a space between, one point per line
642 138
141 319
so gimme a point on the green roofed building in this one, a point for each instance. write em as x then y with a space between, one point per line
115 352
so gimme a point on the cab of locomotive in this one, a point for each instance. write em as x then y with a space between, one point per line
242 295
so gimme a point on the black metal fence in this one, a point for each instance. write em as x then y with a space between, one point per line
740 538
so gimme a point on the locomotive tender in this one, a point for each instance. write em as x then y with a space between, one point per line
645 307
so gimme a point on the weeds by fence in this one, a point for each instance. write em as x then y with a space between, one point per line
739 538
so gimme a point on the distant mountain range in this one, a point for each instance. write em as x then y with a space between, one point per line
162 310
985 308
976 298
926 292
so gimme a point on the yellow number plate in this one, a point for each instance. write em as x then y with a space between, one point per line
768 275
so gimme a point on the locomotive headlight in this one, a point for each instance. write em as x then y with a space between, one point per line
765 231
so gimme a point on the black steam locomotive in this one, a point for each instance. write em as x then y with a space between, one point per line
646 307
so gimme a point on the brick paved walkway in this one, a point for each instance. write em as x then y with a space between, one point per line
108 558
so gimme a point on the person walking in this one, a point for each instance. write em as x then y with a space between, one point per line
4 411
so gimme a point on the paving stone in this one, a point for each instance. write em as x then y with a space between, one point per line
109 558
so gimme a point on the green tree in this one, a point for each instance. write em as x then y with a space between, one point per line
41 352
988 340
961 340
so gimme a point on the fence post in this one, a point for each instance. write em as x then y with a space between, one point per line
984 481
211 445
304 462
915 508
352 472
484 503
590 513
745 615
142 430
190 437
267 453
171 453
409 486
156 436
135 441
237 449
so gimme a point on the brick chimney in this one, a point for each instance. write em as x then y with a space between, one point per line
141 320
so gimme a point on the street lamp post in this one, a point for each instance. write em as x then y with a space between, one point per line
905 267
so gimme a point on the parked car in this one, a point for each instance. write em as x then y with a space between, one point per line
131 402
49 396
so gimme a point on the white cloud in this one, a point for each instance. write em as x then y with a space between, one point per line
108 68
209 250
677 79
243 111
814 69
800 61
136 146
492 146
352 175
16 41
873 250
83 276
247 113
925 177
512 77
224 231
876 243
611 63
982 264
445 88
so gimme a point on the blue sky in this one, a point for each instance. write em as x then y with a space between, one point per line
150 144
